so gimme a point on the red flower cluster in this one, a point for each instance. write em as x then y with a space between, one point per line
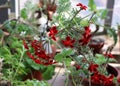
118 80
86 36
68 42
109 55
25 44
93 67
83 7
39 56
77 66
102 79
53 32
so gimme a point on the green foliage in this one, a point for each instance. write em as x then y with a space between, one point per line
10 26
31 83
100 59
1 33
84 23
92 5
63 6
33 64
112 32
12 62
24 13
104 13
48 72
63 56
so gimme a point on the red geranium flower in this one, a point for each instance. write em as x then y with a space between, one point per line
109 55
87 31
25 44
95 78
39 56
93 67
36 45
30 55
68 42
118 80
85 40
83 7
53 32
77 67
108 81
37 61
86 36
43 55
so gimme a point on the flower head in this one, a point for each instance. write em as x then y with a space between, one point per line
68 42
53 32
118 80
83 7
96 78
25 44
30 55
109 55
86 36
77 67
108 81
93 67
38 55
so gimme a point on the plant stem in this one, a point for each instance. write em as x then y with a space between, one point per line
19 62
91 16
89 79
75 14
73 81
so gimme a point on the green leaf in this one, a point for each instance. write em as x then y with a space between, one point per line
24 13
59 57
67 61
33 64
5 51
63 7
104 13
92 5
84 23
1 32
111 32
48 73
65 52
100 59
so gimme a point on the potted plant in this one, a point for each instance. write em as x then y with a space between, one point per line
18 64
29 51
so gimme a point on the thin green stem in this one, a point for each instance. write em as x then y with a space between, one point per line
75 14
73 81
67 78
86 16
21 58
91 16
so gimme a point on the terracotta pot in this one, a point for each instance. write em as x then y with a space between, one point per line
96 45
35 74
